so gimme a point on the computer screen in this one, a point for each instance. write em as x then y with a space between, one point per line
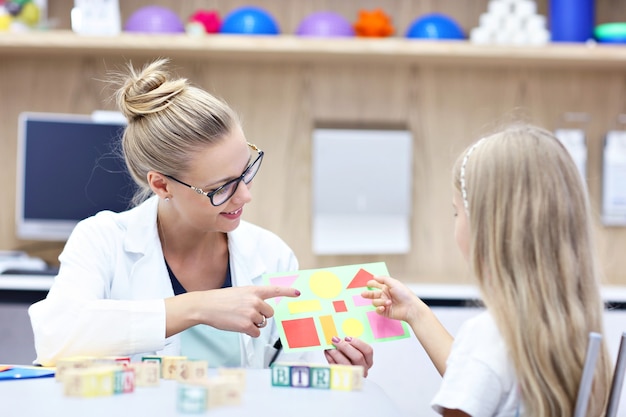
68 168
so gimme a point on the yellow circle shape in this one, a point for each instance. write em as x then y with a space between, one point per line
325 284
352 327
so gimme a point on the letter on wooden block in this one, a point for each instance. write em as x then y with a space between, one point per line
154 359
320 377
223 391
146 373
124 381
193 370
192 398
170 366
300 376
281 375
91 382
346 377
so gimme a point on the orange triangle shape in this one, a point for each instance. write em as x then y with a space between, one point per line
360 279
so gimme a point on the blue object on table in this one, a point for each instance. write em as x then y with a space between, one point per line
571 20
435 26
25 372
249 21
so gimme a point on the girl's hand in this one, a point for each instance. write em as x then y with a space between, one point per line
393 299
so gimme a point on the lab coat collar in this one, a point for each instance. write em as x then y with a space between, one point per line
142 227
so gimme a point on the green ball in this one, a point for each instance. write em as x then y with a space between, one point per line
611 32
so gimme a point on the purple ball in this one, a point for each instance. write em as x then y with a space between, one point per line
325 24
154 19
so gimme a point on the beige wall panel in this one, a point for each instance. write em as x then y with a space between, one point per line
445 107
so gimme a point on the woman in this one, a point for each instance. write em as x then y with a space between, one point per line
180 273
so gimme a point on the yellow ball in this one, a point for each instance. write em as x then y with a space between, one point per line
5 22
29 14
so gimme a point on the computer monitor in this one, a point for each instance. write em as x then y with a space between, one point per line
68 168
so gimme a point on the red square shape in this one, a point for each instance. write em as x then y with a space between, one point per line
340 306
301 333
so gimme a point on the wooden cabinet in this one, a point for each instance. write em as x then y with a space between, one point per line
447 93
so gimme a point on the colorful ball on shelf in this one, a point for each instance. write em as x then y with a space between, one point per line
325 24
373 24
249 21
614 32
435 26
154 19
210 20
18 15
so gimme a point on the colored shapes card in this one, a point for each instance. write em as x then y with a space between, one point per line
24 372
330 304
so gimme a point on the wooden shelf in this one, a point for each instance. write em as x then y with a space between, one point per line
285 48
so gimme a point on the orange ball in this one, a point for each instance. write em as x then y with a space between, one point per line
373 24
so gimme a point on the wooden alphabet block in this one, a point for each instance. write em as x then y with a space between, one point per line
192 398
113 360
300 376
281 375
192 370
155 359
89 382
239 374
320 377
223 391
124 380
147 373
171 366
75 362
346 377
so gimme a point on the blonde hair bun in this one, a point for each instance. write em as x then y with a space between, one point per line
148 90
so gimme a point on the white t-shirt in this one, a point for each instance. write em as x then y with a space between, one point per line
479 378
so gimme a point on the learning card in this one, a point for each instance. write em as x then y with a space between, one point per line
330 304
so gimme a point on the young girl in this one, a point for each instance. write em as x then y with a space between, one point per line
522 221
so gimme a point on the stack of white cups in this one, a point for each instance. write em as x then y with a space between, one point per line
511 22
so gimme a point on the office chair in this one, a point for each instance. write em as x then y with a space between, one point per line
618 379
584 389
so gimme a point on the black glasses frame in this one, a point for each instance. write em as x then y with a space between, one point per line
236 181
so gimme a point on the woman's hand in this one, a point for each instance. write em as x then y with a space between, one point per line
351 351
236 309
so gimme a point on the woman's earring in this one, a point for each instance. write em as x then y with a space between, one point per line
167 199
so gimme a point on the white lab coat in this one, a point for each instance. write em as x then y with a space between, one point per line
108 298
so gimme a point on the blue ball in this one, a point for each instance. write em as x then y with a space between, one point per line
249 21
435 26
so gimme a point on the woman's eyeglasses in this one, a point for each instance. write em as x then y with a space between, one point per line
221 195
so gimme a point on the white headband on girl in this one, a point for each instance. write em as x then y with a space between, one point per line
463 164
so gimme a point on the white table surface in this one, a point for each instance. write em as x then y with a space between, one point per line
44 397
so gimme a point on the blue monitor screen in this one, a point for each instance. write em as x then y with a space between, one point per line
69 168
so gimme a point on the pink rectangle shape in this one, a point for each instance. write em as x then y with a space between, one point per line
382 327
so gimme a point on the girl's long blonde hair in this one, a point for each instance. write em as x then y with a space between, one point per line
532 252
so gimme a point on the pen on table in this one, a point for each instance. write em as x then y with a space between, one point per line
278 346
